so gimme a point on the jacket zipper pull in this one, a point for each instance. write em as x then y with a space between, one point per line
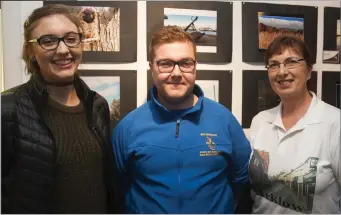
177 128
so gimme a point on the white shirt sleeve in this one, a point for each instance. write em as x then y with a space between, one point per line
335 152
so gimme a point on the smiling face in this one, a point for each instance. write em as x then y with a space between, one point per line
58 65
174 88
289 83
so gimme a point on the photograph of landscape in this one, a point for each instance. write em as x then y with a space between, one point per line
101 27
210 88
200 24
109 88
270 27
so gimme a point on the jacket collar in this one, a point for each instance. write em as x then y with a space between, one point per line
165 113
39 94
313 115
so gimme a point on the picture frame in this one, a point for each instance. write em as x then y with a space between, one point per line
331 35
258 95
223 77
331 88
216 14
122 16
251 27
104 82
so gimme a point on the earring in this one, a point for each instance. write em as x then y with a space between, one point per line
33 59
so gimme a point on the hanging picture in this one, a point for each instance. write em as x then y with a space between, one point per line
109 29
216 85
263 22
258 94
272 26
331 34
208 23
117 87
331 88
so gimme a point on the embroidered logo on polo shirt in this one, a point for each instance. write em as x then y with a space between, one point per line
211 145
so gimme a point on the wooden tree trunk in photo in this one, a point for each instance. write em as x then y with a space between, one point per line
109 29
102 30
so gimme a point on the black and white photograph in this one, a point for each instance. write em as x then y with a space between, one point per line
338 95
201 25
331 35
331 88
210 88
331 57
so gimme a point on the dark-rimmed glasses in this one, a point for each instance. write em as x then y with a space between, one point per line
167 66
289 63
50 42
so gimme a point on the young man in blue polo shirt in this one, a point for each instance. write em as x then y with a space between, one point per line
180 152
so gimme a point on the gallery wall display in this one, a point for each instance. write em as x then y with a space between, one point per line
118 87
262 23
258 94
216 85
208 23
331 35
331 88
110 29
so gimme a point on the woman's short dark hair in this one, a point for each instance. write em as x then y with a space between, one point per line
281 43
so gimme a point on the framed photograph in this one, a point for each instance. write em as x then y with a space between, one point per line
216 85
110 29
272 26
262 23
118 87
331 34
208 23
331 88
258 94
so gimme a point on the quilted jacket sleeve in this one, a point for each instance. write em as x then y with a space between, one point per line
7 144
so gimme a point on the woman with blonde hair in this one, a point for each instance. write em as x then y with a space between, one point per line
56 156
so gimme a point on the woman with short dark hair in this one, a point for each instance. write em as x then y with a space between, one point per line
296 164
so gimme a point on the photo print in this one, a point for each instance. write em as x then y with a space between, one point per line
267 98
338 35
200 24
338 94
270 27
109 88
291 186
332 57
101 27
210 88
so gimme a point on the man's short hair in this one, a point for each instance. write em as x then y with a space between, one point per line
169 34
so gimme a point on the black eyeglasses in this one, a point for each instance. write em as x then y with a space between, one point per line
167 66
289 63
50 42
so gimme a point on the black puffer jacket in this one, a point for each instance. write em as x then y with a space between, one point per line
29 152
